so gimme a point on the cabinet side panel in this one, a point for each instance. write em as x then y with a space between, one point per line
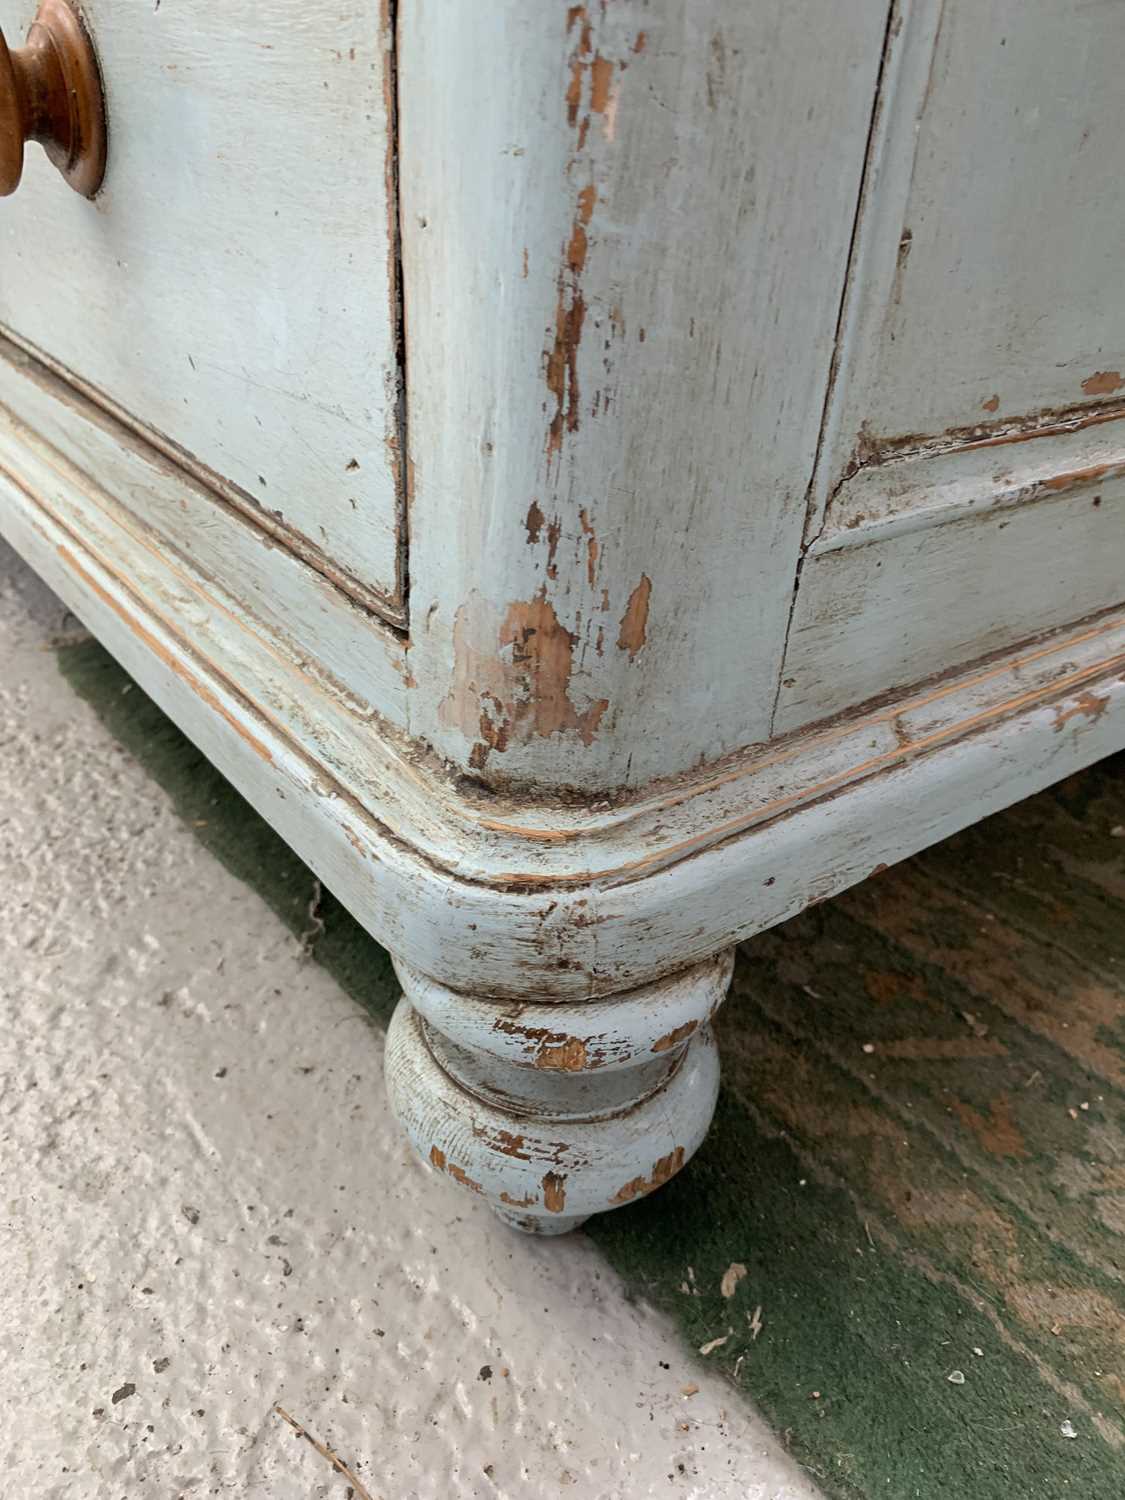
625 235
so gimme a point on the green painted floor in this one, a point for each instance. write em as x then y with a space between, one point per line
905 1237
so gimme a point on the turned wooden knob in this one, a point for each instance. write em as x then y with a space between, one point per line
51 92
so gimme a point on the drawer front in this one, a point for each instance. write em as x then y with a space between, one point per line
232 289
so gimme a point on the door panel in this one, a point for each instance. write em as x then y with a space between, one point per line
985 288
971 487
919 572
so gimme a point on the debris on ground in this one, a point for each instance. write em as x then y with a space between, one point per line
733 1274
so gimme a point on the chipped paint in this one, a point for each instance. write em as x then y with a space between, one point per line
554 1192
542 655
578 244
519 1130
568 1056
576 14
992 404
1086 705
534 523
562 364
556 1050
1074 477
674 1038
554 532
511 677
508 1144
527 1202
872 448
662 1170
611 102
601 83
588 66
355 841
438 1158
591 548
591 92
634 622
463 1178
561 372
1103 383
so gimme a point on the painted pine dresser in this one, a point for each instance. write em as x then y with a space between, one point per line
597 477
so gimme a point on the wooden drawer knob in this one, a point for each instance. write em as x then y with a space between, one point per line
51 92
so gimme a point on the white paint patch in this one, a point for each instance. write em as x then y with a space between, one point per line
209 1209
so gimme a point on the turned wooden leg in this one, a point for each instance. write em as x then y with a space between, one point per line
556 1111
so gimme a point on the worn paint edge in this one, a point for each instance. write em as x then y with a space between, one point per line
602 829
942 497
713 832
594 850
27 362
747 880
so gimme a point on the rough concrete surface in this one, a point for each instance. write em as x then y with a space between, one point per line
209 1213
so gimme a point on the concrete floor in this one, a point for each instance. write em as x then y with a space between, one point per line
208 1213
